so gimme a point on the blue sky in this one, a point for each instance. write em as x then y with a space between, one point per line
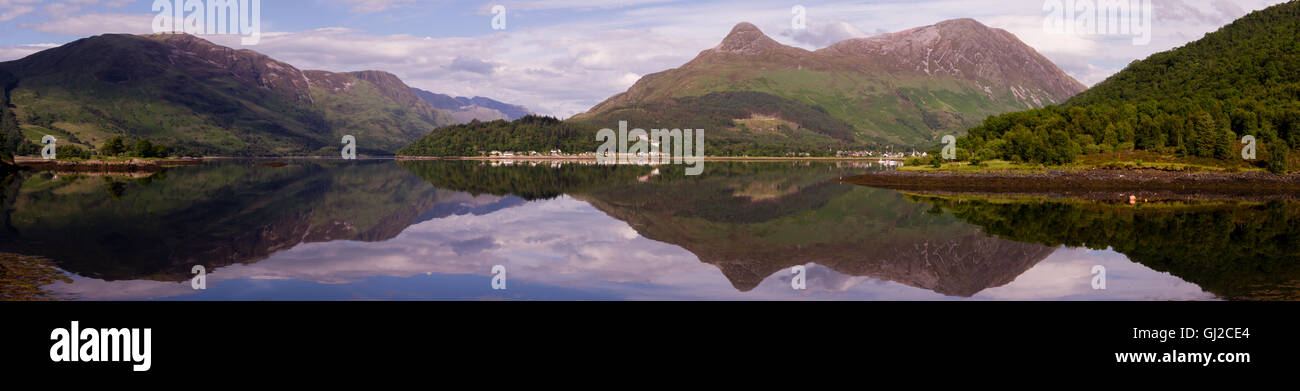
560 57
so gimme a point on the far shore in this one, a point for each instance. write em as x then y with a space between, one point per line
103 166
706 158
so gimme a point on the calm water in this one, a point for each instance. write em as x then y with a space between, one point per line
386 230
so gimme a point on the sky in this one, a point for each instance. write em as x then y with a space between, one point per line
560 57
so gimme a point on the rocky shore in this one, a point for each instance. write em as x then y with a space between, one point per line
1140 184
100 166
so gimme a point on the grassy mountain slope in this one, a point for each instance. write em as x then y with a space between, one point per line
202 98
905 88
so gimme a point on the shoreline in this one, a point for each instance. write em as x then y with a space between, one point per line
593 158
1096 184
103 166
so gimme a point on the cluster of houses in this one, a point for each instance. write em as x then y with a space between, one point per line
551 153
883 155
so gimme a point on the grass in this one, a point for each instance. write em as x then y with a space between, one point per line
1127 160
1015 199
991 165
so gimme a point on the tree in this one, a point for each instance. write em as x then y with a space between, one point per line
143 148
1277 156
1205 133
113 147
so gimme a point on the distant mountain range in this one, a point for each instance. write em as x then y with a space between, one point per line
478 108
906 88
202 98
755 95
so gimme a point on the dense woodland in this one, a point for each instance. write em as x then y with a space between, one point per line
531 133
1199 100
793 128
10 135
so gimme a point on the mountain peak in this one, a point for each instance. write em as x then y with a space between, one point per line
744 27
961 22
746 38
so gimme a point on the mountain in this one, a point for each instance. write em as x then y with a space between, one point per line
756 221
262 210
1256 56
465 109
202 98
904 88
1196 101
752 227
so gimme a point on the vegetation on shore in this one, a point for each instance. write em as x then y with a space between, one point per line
530 133
1124 160
1196 102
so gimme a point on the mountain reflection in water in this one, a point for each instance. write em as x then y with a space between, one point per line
421 230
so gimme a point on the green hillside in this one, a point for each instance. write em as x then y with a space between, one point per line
1195 101
905 89
199 98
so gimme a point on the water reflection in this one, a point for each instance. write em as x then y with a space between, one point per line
318 230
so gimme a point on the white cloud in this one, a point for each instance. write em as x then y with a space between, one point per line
368 6
95 24
818 35
8 53
1067 275
12 9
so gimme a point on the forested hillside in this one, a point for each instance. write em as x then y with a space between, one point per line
1195 101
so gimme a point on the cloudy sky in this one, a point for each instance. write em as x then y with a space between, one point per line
560 57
